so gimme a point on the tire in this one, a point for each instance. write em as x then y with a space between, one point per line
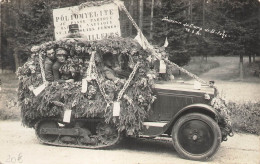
196 136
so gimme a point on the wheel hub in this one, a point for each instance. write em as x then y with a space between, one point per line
194 137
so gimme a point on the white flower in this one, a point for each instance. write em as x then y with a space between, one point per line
35 48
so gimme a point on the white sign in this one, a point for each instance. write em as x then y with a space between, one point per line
67 115
116 108
94 23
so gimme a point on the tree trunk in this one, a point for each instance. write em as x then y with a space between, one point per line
249 57
253 58
203 19
141 13
241 72
1 53
203 32
190 11
131 13
151 23
16 59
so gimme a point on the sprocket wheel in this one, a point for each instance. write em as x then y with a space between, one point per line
46 124
108 134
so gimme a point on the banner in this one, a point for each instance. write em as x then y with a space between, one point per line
92 23
196 29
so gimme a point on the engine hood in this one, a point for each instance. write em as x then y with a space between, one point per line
188 87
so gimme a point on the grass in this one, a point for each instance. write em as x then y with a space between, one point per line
245 116
197 67
9 81
252 72
8 97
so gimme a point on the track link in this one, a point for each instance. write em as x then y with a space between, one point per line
57 142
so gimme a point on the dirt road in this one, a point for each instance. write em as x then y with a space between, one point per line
228 69
19 145
228 83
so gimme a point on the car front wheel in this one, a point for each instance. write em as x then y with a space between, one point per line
196 136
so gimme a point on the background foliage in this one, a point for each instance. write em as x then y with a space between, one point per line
245 116
28 22
238 18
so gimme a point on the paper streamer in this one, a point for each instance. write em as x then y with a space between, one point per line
39 89
162 68
84 86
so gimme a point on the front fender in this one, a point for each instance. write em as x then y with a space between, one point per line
198 108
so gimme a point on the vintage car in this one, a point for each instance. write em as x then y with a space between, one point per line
185 115
180 112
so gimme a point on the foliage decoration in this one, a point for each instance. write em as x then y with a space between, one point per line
135 103
221 106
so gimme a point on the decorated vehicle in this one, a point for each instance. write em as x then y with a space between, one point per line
85 93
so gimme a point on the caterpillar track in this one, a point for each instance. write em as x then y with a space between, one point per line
90 134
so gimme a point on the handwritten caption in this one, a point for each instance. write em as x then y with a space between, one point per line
196 29
14 158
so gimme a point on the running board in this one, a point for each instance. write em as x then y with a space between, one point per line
153 129
155 124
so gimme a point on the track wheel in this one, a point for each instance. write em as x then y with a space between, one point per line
196 136
107 134
46 124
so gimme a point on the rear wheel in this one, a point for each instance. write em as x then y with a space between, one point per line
196 136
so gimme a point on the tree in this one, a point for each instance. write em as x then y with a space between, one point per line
175 33
241 20
27 24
